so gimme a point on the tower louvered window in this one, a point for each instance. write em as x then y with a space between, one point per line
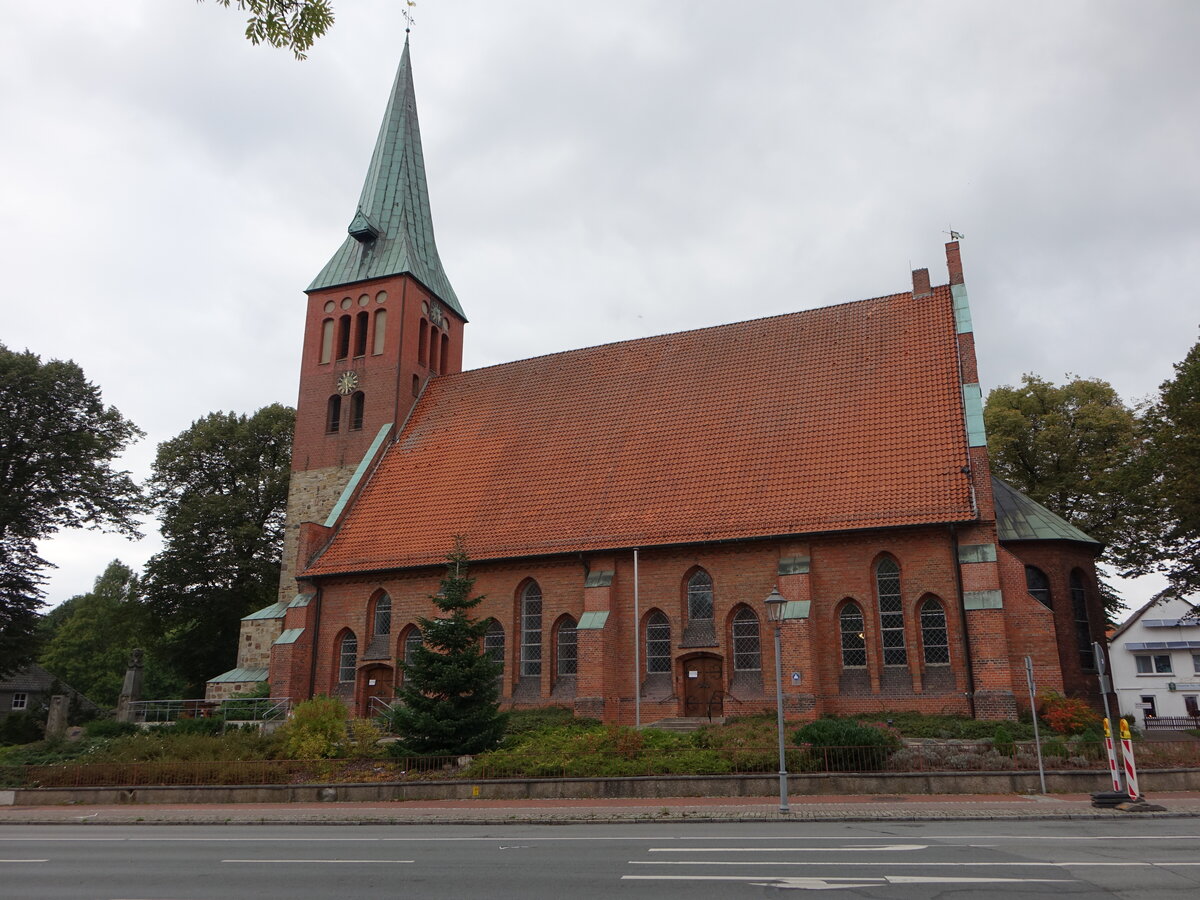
891 612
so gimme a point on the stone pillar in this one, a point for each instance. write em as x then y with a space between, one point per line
131 690
56 723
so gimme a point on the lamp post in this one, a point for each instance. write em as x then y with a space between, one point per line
775 603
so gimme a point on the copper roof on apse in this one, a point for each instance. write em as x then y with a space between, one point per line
839 418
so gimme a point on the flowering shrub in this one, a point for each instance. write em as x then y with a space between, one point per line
1066 715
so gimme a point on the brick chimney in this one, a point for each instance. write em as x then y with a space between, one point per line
921 286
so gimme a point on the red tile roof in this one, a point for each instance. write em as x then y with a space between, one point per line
845 417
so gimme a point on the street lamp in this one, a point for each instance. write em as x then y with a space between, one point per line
775 604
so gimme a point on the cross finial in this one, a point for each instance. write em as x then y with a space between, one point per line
409 21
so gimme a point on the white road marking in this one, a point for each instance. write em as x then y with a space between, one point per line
828 883
322 861
865 847
23 860
894 865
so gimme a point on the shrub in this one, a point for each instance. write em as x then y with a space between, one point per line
1066 715
109 728
1056 749
1002 741
848 745
363 739
20 728
211 725
316 729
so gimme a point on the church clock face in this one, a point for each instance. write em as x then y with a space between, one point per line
347 382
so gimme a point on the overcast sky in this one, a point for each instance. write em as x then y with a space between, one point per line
597 172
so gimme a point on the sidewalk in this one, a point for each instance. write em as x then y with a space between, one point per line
695 809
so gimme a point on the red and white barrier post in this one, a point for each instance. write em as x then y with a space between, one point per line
1114 769
1127 755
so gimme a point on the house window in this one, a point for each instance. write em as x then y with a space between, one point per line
1038 585
935 642
493 644
1196 663
358 402
383 615
1156 664
1083 631
531 629
20 700
658 644
854 639
746 655
568 648
891 612
1191 706
700 597
347 658
1149 707
333 414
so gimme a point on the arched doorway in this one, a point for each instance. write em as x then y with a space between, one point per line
377 682
703 686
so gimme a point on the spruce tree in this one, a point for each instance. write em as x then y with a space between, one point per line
449 700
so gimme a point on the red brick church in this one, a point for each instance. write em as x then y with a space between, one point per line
628 508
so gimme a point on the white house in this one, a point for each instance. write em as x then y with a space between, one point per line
1155 660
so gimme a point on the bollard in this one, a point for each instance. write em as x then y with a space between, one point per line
1114 769
1130 768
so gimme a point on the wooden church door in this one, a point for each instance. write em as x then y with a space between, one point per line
703 687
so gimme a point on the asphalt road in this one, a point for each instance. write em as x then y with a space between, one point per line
1142 858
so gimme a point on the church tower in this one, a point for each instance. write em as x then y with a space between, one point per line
382 319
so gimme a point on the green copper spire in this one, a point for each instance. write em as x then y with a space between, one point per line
392 230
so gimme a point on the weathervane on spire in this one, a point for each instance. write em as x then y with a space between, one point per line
954 235
408 16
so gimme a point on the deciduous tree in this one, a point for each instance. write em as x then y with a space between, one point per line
58 442
449 701
292 24
221 490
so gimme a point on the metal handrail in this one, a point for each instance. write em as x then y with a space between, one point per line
239 709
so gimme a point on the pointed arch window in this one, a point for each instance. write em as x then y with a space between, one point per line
412 640
747 656
700 597
333 414
1083 628
891 612
358 402
531 629
1039 586
935 639
347 657
658 643
854 636
568 648
493 644
382 617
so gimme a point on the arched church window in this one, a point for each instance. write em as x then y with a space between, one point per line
333 414
1083 628
343 337
531 629
700 596
357 403
327 340
891 612
658 643
361 321
493 644
412 640
568 647
380 331
1039 586
854 636
935 640
347 657
746 649
383 615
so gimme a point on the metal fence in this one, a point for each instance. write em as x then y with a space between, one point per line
244 709
916 757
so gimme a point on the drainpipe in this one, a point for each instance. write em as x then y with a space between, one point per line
312 669
637 665
962 611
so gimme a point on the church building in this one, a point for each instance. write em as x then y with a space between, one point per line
628 508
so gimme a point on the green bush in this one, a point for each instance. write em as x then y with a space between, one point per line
1056 749
847 745
210 725
108 728
922 725
21 728
1002 741
316 730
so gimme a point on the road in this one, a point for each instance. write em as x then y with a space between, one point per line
1012 859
